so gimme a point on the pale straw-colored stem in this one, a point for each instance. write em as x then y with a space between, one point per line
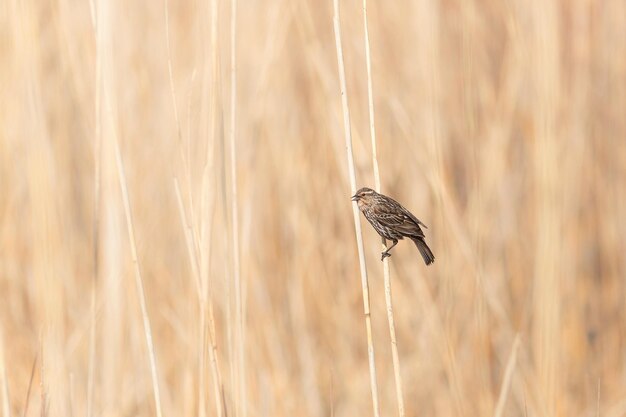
33 368
214 123
96 217
386 273
138 278
506 381
206 307
355 210
240 308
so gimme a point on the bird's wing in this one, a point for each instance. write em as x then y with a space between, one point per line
395 216
415 219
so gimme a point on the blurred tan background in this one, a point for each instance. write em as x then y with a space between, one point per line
501 125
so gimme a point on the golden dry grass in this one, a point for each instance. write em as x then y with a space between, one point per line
501 125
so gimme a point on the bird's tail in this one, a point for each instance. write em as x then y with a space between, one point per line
425 251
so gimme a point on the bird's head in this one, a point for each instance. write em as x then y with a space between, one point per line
363 193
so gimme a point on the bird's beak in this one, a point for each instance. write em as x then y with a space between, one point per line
355 198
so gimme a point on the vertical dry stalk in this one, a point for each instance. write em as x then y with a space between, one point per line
547 271
204 284
94 284
207 177
386 273
218 386
138 278
206 306
30 386
508 375
239 314
96 219
109 212
207 327
355 210
191 245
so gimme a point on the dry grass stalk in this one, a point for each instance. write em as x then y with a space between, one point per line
355 209
207 329
30 386
91 371
138 279
239 306
508 376
386 273
547 267
485 103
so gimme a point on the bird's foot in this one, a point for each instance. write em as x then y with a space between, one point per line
384 255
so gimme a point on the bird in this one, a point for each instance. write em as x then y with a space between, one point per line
392 221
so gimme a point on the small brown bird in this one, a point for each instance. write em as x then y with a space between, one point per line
392 221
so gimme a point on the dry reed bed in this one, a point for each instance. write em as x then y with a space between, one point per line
501 124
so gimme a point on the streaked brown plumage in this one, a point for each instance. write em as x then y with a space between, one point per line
392 221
